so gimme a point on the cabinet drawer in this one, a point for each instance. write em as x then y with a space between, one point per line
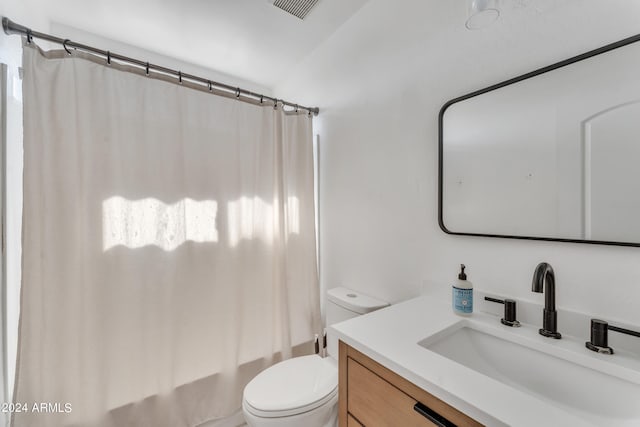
375 402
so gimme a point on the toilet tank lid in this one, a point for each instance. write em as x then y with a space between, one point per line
354 301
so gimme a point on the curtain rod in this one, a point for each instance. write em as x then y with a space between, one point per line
11 27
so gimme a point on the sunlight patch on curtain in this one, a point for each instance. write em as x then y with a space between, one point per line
253 218
138 223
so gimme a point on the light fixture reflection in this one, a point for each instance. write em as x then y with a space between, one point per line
482 13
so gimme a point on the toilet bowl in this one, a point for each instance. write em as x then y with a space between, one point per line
303 391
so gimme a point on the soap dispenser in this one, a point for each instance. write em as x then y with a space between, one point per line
462 294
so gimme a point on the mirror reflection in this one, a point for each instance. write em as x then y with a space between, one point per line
552 156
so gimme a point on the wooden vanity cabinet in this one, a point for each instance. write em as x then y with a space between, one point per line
371 395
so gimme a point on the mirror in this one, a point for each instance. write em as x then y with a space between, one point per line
552 155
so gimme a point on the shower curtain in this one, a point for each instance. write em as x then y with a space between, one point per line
168 245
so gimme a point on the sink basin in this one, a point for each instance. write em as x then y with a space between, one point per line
531 366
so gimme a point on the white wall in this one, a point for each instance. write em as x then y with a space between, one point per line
380 82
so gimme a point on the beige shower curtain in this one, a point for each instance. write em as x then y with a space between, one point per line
168 246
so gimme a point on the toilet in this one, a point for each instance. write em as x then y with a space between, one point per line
303 391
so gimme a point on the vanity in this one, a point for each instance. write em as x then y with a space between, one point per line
371 394
416 363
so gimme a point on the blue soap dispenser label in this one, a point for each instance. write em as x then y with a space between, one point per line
462 294
463 300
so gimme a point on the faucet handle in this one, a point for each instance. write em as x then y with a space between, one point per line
600 336
509 318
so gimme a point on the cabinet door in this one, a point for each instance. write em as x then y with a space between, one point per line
352 422
373 396
377 403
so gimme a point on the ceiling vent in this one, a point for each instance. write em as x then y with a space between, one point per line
298 8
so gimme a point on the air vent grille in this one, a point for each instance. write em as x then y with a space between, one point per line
298 8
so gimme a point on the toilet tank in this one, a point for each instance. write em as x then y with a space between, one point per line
344 304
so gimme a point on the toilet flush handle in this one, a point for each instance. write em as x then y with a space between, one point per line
324 343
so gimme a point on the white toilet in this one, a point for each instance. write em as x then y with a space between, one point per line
303 391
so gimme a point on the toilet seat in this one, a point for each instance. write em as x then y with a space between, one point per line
291 387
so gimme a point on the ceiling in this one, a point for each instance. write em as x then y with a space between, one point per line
249 39
257 46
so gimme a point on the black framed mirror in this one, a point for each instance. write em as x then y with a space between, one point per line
553 154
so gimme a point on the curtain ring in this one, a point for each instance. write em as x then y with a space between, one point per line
146 69
275 104
237 92
64 45
180 77
108 57
210 85
309 113
29 35
261 99
296 109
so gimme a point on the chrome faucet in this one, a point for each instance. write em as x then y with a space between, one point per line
543 277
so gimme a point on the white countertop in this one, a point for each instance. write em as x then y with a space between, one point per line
390 336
